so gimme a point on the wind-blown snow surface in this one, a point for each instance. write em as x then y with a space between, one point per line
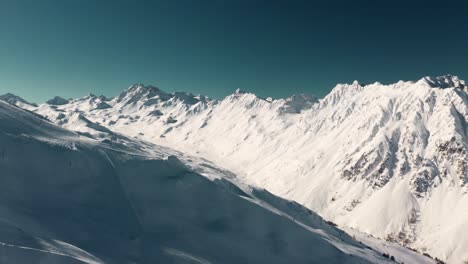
388 160
67 198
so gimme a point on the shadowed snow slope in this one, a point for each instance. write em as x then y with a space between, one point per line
67 198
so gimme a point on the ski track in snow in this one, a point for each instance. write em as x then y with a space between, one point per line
186 256
81 259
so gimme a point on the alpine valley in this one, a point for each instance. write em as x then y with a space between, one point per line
189 179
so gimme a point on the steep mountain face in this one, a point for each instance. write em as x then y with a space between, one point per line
388 160
69 198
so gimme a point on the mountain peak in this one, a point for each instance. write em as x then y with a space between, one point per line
444 81
14 99
139 87
57 100
139 91
239 91
298 102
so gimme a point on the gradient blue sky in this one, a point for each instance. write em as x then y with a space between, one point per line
273 48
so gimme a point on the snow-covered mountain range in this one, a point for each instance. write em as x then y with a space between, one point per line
386 160
70 199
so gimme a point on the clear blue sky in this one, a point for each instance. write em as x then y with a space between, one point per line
273 48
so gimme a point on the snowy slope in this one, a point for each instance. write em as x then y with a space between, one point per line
387 160
69 198
16 100
403 254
